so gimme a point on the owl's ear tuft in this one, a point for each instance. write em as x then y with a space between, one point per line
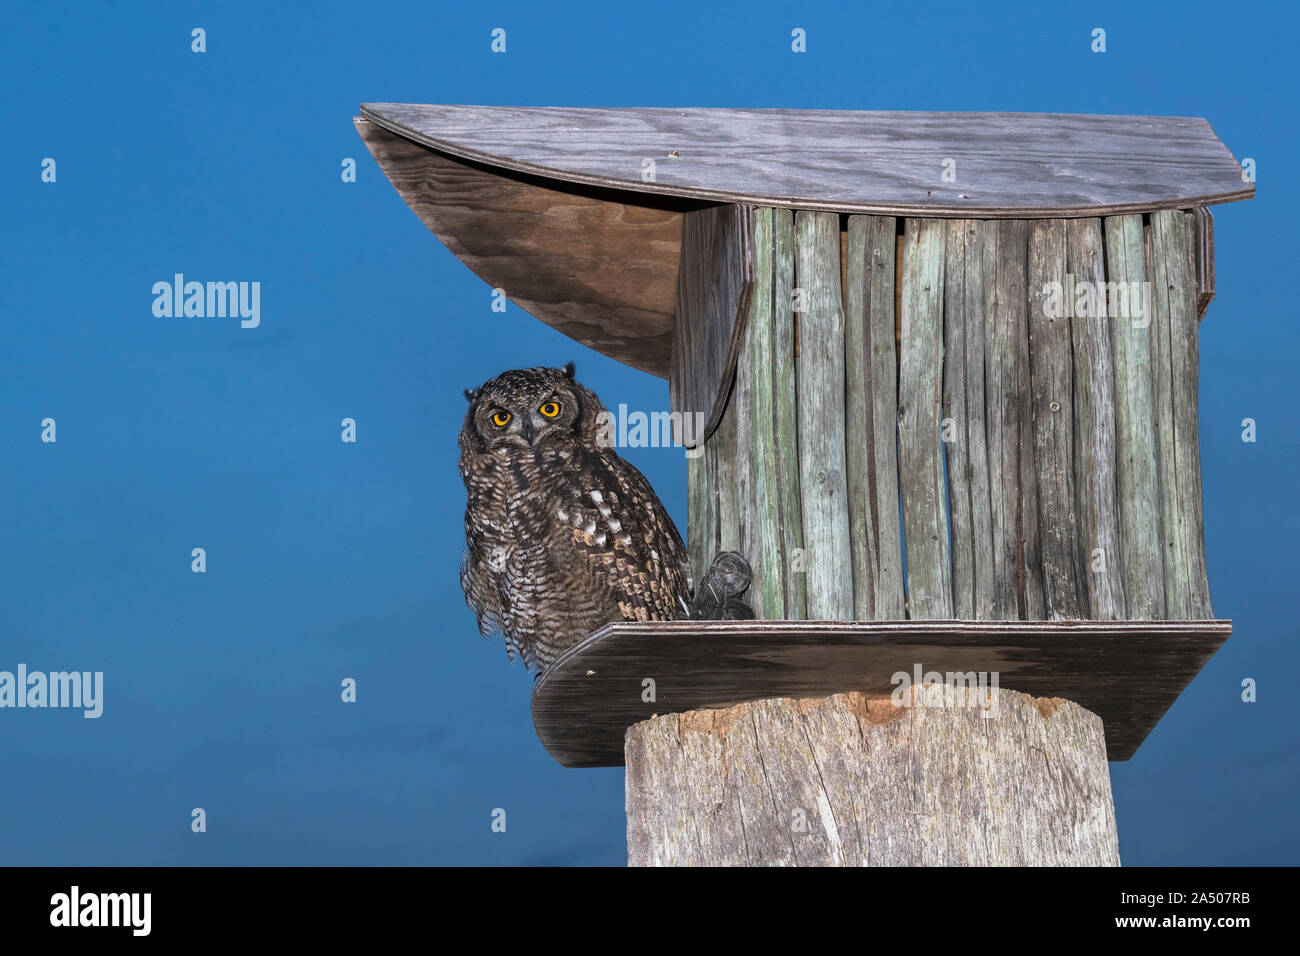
569 368
471 394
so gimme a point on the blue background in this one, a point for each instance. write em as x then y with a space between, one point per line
328 560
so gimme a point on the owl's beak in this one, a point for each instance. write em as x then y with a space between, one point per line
527 428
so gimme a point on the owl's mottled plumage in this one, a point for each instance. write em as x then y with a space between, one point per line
563 535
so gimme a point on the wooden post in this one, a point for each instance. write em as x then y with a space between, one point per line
846 781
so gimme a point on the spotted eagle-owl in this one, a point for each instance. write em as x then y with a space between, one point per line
563 535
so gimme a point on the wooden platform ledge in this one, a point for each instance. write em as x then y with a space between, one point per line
1126 672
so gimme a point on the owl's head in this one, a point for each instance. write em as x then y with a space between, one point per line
523 408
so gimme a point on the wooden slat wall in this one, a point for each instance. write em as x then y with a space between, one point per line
1064 443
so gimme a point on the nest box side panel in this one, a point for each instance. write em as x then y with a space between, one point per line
714 284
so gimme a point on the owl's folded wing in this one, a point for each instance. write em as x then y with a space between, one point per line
615 523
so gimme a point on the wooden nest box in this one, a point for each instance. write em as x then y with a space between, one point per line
947 365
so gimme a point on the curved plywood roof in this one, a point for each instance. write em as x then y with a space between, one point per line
550 203
1004 165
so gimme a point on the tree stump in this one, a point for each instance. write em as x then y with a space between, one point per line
955 776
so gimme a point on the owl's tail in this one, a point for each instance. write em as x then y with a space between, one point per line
718 598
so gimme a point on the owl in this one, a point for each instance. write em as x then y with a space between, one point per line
563 535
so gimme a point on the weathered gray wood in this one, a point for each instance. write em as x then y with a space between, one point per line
1176 359
702 534
963 404
785 347
859 416
1017 569
714 285
722 448
882 163
920 415
1094 423
761 541
883 306
1204 232
844 781
820 378
601 270
871 419
1137 480
740 409
1051 368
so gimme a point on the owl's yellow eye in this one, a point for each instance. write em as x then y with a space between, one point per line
550 409
501 419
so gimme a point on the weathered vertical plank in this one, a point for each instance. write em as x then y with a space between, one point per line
859 412
1051 374
1094 422
956 449
762 539
714 283
723 446
701 512
785 405
1017 589
883 322
920 413
1137 480
820 399
871 419
963 403
1203 231
1176 355
713 289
